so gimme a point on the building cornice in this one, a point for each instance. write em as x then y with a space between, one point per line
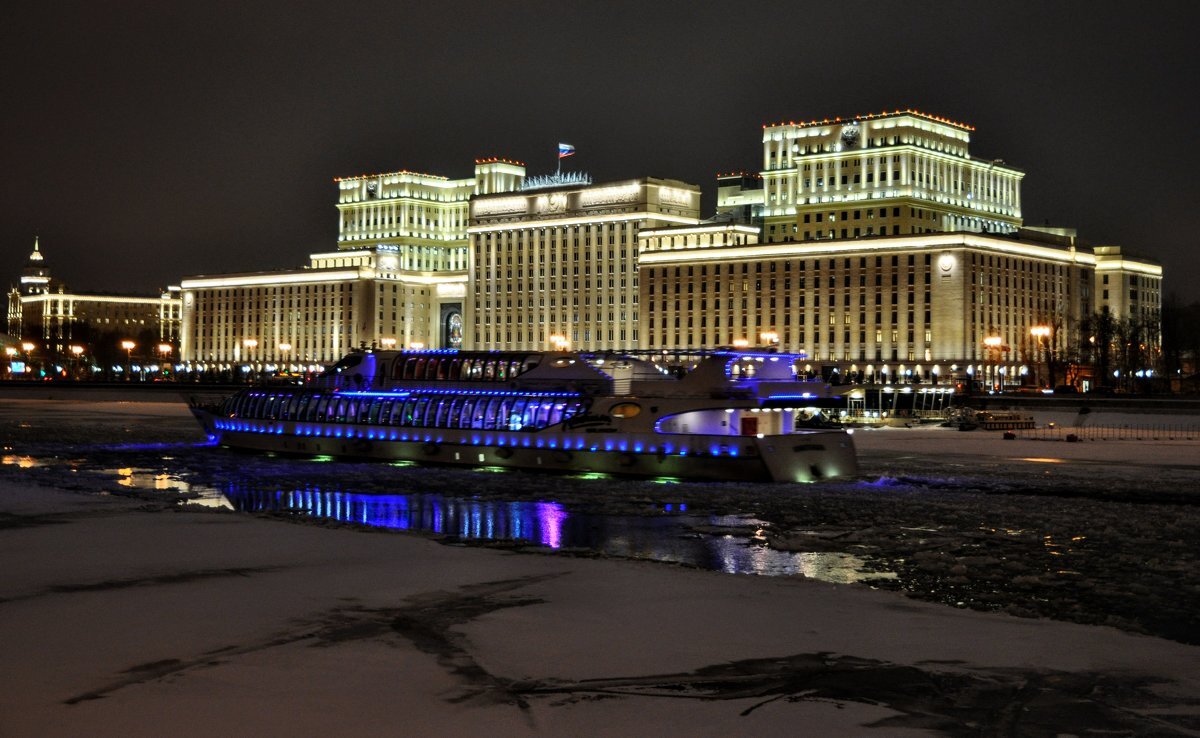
809 249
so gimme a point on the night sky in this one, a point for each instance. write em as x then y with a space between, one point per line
148 141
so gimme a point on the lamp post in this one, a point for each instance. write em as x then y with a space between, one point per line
993 344
388 342
28 347
10 352
250 344
284 349
769 338
559 342
76 352
164 354
1040 333
129 346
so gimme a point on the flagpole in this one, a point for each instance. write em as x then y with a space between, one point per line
558 172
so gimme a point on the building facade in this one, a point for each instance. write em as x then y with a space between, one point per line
915 306
397 278
300 319
1129 286
559 266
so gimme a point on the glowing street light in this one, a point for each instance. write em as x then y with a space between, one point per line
388 342
769 338
560 342
28 347
416 345
129 346
993 344
740 343
1040 333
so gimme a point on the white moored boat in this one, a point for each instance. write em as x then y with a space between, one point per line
721 415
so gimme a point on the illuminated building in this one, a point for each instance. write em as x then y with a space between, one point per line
877 245
44 311
397 278
559 266
899 173
1129 286
891 307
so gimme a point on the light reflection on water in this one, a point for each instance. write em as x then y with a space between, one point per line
21 462
667 538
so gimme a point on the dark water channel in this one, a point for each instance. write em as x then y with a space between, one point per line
729 543
733 544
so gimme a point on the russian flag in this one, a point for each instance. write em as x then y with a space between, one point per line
565 150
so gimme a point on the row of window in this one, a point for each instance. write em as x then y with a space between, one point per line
463 367
480 412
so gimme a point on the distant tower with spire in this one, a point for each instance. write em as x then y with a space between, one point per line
35 278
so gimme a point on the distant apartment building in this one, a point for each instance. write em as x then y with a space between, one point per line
44 311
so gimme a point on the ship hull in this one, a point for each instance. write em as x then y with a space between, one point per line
803 456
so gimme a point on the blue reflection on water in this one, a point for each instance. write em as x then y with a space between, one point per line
538 522
670 538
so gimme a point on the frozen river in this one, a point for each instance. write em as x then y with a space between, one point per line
1098 532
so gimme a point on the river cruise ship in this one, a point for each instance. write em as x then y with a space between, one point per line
719 415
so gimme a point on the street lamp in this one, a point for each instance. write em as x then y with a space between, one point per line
388 342
769 338
129 346
416 345
284 349
76 352
993 344
1040 333
560 342
250 344
164 351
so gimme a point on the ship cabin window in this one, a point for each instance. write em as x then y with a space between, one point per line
437 411
339 411
490 368
300 406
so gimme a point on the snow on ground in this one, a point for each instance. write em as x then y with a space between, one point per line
138 620
129 614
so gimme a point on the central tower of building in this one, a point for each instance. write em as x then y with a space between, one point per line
886 174
558 266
